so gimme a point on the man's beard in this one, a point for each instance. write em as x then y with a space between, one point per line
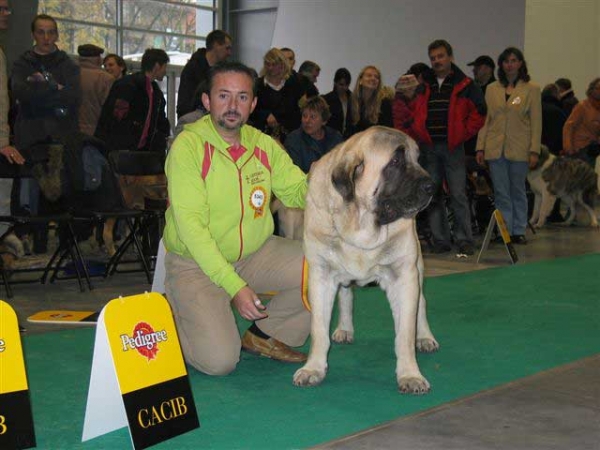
226 125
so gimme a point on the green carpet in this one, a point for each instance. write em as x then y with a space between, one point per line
494 326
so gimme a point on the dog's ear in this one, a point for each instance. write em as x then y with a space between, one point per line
344 177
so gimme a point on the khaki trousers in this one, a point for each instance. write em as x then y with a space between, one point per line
207 330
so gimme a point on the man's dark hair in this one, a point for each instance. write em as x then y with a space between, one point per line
230 67
523 72
119 60
418 69
308 67
550 90
563 83
342 74
153 56
440 43
216 37
43 17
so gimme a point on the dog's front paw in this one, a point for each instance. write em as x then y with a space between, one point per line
307 377
413 385
427 345
343 336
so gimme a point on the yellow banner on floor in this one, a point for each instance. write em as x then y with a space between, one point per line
16 419
12 365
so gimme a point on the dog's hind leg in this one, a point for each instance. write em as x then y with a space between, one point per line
344 332
572 205
321 292
425 340
546 206
535 215
589 209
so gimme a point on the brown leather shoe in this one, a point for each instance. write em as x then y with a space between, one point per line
271 348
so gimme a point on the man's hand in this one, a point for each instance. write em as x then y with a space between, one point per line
12 155
248 304
480 157
533 160
272 121
36 77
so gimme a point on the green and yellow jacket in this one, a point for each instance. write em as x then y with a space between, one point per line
219 204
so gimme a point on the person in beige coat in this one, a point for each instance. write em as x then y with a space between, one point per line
95 86
510 139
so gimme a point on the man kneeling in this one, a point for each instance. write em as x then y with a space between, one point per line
219 233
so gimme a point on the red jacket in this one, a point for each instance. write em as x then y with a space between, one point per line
466 113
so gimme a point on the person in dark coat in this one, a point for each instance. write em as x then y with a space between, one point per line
45 84
553 122
483 76
308 72
277 111
46 88
553 119
195 72
133 116
566 95
314 138
340 103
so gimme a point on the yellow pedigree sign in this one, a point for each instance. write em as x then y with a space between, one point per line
16 419
138 375
143 341
12 365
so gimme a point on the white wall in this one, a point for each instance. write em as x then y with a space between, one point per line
562 41
393 34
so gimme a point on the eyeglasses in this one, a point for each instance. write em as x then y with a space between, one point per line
5 11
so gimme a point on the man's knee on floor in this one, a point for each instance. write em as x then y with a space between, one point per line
218 364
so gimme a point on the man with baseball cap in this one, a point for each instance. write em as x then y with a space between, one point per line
483 71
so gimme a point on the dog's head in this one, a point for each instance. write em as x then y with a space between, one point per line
542 157
378 170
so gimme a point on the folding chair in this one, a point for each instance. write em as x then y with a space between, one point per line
107 203
67 247
140 163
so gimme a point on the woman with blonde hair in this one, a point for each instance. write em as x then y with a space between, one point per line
277 112
370 105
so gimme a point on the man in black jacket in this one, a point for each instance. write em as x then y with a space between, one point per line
133 116
218 48
45 85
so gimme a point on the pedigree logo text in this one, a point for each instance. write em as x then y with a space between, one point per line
144 339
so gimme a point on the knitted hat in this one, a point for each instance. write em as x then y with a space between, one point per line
406 82
89 50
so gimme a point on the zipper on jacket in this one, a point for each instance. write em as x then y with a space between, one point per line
242 213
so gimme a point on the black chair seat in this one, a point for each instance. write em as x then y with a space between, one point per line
101 215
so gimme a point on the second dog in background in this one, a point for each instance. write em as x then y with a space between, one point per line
571 180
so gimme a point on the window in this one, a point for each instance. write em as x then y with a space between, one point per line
129 27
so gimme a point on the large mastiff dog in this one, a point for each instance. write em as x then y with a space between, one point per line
360 227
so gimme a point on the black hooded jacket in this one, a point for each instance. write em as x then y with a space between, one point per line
46 108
